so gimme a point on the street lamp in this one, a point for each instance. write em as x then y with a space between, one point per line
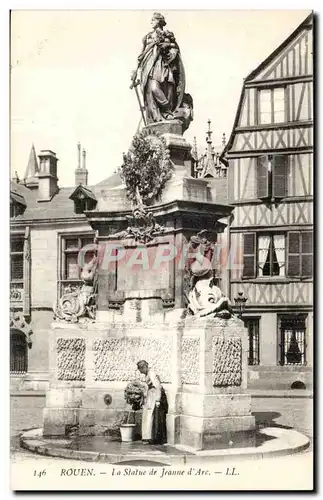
240 302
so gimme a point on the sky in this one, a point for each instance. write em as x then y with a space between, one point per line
70 77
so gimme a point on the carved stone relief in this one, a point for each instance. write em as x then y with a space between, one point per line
227 361
116 359
190 362
70 358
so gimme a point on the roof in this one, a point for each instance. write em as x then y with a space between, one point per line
18 198
61 206
308 21
85 191
113 181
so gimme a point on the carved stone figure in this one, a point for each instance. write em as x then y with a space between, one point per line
205 298
162 76
80 302
200 249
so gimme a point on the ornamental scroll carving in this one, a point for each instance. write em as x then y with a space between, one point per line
70 359
142 226
190 361
80 301
227 361
116 359
16 292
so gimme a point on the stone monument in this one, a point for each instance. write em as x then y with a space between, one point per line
155 290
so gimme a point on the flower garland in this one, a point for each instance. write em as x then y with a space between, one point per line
146 168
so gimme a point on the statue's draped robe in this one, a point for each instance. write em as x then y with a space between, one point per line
162 84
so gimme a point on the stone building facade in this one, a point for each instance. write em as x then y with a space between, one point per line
47 227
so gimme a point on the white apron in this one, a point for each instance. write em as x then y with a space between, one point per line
153 395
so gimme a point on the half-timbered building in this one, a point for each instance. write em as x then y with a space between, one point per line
270 177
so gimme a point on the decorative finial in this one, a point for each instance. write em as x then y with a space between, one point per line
209 132
16 177
224 141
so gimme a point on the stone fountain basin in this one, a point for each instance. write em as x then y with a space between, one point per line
270 442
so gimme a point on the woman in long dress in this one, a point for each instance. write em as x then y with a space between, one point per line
155 407
162 78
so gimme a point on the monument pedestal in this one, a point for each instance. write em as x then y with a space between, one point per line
141 314
202 364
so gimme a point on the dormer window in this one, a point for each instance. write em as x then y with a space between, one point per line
17 204
84 200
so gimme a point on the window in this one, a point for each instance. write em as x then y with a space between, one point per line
16 268
271 106
252 324
272 175
300 254
264 255
292 330
18 352
70 270
268 254
271 255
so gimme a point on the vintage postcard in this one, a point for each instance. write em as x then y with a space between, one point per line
161 250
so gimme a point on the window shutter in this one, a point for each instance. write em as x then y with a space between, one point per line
262 177
280 172
307 254
294 254
249 255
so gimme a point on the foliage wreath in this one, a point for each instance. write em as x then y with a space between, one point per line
146 168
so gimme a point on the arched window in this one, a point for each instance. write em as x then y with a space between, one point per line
18 352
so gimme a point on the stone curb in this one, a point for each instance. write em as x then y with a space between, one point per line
286 442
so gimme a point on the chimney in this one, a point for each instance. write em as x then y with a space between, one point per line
47 175
81 174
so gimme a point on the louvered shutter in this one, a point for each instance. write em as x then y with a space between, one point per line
262 177
280 172
307 254
249 255
294 254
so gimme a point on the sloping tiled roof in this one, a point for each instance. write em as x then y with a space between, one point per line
60 206
109 197
18 198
